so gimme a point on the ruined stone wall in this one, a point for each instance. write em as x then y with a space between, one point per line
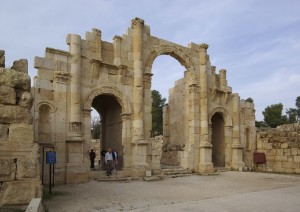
178 118
239 121
19 165
155 153
281 146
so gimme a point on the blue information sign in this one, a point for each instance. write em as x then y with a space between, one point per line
50 157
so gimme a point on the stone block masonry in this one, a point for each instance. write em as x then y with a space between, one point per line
19 165
282 148
203 116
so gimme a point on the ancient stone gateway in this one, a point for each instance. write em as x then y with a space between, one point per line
203 114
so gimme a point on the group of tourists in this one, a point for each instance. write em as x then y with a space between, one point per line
110 157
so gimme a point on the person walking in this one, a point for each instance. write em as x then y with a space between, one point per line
115 159
92 155
108 161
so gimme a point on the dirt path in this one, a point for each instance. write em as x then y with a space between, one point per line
172 194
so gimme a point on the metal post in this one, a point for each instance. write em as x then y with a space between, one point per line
53 174
43 166
50 170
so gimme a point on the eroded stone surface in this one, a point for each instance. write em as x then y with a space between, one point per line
14 114
4 132
7 170
21 133
19 167
19 192
14 79
8 95
20 66
2 58
25 100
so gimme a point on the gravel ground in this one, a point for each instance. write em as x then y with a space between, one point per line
228 191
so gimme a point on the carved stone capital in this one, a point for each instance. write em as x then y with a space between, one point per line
137 23
126 116
223 71
203 46
117 37
122 67
97 31
213 69
148 77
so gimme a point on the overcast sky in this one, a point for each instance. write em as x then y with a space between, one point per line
256 41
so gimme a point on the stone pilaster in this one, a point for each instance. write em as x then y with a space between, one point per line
194 127
205 146
166 124
126 141
228 143
117 50
223 80
139 143
237 149
74 41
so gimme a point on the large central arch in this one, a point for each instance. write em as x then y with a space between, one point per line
174 51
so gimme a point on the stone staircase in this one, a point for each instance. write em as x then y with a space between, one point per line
221 169
174 171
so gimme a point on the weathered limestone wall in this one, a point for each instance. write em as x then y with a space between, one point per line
182 123
178 121
282 148
172 154
155 153
68 82
19 158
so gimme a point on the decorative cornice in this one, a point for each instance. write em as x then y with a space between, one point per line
93 60
57 51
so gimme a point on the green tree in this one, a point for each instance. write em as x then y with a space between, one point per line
260 124
96 128
293 114
157 113
273 115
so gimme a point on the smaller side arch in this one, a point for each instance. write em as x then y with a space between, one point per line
45 117
41 103
223 111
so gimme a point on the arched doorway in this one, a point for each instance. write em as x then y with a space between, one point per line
110 111
218 140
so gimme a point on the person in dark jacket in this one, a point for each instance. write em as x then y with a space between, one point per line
115 159
92 159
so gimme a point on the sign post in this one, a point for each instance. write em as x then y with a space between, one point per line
51 160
